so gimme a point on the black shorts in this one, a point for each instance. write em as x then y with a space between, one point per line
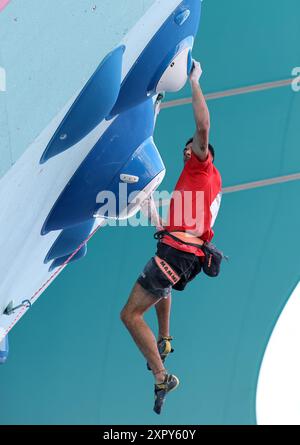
186 265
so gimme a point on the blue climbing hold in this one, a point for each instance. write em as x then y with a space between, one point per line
60 261
102 167
158 54
91 106
69 240
4 350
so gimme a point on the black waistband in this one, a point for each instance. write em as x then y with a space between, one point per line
159 235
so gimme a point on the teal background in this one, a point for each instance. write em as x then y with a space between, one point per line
71 359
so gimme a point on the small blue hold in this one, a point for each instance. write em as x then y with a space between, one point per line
65 259
182 17
4 349
190 63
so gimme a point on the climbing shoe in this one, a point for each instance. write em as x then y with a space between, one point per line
164 348
162 389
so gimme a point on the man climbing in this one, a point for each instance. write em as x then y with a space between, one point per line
180 256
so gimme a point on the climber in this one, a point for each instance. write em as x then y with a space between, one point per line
179 257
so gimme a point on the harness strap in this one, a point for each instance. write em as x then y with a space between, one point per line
182 237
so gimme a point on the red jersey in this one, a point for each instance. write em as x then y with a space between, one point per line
195 202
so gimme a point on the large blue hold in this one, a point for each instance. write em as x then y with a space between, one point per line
146 163
142 79
101 169
91 106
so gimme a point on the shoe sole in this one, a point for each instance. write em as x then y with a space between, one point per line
158 411
163 355
177 384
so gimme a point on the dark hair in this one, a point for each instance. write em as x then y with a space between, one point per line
210 147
